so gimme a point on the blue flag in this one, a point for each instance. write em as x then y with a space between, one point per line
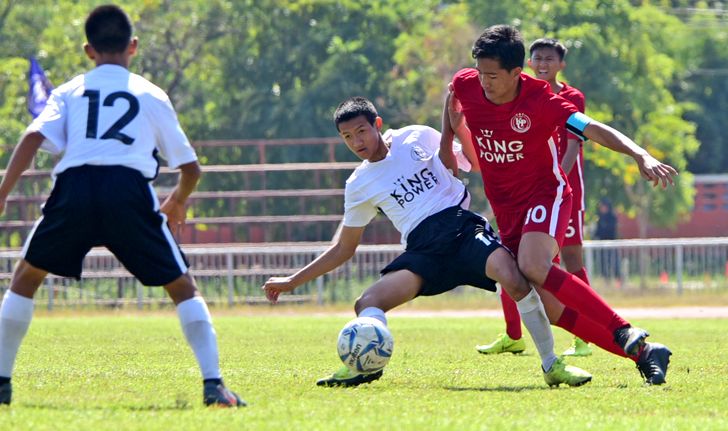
40 88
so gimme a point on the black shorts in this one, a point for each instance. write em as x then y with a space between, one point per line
111 206
449 249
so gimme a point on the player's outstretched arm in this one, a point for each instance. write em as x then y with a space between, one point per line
572 151
447 156
174 205
20 161
456 117
343 248
650 168
457 121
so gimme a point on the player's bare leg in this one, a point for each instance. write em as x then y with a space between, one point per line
182 289
506 342
27 279
571 257
16 313
393 289
502 267
197 327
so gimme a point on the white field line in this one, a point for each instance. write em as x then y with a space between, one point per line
628 313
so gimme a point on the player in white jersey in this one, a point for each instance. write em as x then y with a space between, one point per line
108 126
402 176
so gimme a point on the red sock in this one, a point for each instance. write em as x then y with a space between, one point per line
513 318
582 275
589 331
574 293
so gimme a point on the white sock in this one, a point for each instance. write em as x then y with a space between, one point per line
374 312
534 318
197 327
15 314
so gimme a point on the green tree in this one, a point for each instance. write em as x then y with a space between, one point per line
705 84
294 61
275 69
427 57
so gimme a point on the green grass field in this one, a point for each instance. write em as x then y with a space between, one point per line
122 372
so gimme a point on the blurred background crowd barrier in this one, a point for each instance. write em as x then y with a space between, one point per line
233 275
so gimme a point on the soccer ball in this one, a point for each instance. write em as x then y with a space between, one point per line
365 345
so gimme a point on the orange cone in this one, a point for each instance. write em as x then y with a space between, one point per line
664 278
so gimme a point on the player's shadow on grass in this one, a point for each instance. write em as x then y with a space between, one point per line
497 388
149 408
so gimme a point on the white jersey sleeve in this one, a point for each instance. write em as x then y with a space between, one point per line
463 162
172 141
429 139
51 123
358 209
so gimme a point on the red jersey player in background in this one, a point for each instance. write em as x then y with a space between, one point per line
546 60
513 119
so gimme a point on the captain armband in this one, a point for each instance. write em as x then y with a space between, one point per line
576 124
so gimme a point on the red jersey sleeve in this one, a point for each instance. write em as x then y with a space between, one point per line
581 103
466 84
558 109
576 97
461 78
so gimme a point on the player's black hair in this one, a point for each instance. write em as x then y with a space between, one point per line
354 107
502 43
549 43
108 29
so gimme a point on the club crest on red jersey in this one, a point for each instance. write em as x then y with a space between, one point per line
520 123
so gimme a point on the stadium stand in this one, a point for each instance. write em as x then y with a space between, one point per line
252 191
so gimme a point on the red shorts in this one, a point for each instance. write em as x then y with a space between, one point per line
545 212
576 181
575 230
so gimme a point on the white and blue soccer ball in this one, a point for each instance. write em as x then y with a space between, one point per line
365 345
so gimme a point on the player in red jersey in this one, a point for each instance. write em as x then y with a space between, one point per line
546 60
513 119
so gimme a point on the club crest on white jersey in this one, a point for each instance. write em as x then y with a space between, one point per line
418 153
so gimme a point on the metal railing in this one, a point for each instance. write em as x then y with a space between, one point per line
679 263
232 275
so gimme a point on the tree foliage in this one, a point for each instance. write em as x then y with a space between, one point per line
705 84
277 69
